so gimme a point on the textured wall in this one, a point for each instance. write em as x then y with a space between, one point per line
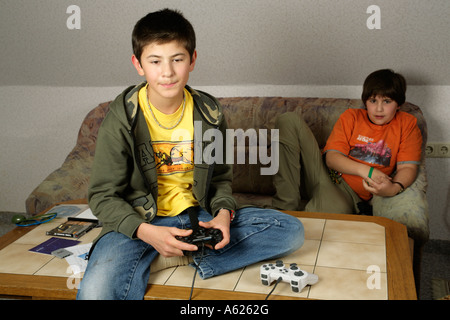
288 42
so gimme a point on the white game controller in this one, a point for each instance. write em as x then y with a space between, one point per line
297 278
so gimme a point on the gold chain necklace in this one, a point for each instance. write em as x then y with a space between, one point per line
179 120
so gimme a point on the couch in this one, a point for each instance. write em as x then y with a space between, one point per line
70 181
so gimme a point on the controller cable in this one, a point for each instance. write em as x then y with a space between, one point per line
278 281
196 269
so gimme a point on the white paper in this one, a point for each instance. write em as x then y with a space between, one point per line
87 214
77 260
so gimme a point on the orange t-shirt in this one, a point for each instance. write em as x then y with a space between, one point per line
381 147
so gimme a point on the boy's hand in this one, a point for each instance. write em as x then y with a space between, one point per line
380 184
222 222
163 239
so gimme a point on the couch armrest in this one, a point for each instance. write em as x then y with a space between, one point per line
69 182
409 208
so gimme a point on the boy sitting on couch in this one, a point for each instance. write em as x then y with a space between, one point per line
374 151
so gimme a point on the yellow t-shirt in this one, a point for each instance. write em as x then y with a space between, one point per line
174 154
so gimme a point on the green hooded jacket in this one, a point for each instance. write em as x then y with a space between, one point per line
123 185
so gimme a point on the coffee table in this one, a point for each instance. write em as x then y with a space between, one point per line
347 252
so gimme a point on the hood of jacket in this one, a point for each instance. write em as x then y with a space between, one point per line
126 106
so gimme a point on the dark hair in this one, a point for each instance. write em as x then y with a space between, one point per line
162 27
385 83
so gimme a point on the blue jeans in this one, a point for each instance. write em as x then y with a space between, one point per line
119 268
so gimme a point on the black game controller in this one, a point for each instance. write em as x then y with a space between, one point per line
200 236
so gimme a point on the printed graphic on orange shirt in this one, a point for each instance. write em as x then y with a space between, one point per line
174 157
376 153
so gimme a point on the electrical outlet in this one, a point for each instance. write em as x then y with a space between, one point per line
443 149
430 150
437 150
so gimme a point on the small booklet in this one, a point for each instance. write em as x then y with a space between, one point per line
75 226
52 244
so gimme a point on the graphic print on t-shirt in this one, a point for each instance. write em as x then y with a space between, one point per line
372 152
173 157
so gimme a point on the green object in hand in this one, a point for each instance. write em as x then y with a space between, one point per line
370 172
